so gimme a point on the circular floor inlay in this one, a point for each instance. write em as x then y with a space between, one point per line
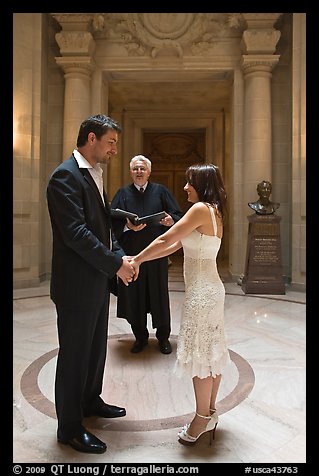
33 394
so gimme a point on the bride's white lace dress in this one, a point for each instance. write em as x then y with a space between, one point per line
201 347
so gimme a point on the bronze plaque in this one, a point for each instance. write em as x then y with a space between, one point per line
263 268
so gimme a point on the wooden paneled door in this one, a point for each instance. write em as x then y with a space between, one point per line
171 153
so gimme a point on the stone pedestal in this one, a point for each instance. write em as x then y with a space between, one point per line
263 269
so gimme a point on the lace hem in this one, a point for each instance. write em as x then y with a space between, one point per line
200 370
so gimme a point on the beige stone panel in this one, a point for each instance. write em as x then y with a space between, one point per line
54 130
279 96
55 114
285 249
281 116
21 233
283 211
23 53
22 101
303 261
96 92
281 151
34 256
303 235
280 194
17 256
17 208
296 188
295 263
34 212
54 154
281 172
296 237
30 168
257 168
35 192
17 167
34 234
283 131
22 189
22 145
280 77
295 209
237 260
55 91
26 256
303 192
26 210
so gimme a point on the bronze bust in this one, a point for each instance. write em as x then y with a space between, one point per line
264 206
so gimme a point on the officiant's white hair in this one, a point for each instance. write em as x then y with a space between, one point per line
146 161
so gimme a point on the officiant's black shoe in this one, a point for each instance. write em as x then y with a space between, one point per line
106 411
138 346
85 442
165 346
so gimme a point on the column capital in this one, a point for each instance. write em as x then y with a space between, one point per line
259 63
79 43
260 41
260 36
75 37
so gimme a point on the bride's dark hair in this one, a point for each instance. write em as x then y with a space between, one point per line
208 183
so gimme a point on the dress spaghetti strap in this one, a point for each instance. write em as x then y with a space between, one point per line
212 213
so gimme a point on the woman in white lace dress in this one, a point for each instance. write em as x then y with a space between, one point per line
202 352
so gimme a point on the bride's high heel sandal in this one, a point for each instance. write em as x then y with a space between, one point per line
187 439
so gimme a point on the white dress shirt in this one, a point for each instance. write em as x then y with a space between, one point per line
95 172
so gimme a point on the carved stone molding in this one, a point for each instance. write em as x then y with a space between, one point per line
260 20
155 34
167 34
167 25
74 21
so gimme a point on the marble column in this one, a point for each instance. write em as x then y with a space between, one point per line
77 98
259 44
76 47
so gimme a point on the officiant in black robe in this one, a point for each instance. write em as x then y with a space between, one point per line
149 293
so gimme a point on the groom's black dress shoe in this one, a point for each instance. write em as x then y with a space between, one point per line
84 442
106 411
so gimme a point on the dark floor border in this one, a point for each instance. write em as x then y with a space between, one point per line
32 393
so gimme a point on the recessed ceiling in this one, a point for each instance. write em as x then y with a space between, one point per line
192 94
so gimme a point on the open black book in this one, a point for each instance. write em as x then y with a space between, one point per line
135 219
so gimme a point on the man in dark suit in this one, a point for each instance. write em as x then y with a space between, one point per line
85 257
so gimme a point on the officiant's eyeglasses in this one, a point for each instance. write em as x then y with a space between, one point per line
136 169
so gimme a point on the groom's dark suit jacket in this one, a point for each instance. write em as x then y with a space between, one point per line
82 261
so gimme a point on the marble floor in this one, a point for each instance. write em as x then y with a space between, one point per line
261 401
